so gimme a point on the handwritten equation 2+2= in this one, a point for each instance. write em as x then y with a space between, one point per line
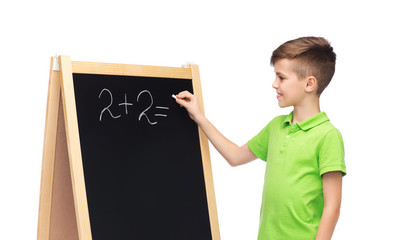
125 104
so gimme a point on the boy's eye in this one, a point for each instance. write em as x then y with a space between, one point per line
281 78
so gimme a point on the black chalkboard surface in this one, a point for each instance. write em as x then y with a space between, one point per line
141 157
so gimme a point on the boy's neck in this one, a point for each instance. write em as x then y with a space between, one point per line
306 110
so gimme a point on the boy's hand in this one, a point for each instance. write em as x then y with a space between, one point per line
189 101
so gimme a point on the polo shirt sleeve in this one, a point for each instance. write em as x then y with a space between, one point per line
332 153
259 143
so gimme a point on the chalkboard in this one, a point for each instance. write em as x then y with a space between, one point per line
122 160
141 158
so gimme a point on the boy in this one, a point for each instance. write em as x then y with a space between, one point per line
303 150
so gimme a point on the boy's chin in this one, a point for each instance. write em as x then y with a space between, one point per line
281 105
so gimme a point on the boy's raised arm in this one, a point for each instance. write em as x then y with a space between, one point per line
233 154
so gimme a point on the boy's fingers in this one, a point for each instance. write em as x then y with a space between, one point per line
185 98
182 102
184 94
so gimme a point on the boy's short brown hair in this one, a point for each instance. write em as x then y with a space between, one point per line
313 56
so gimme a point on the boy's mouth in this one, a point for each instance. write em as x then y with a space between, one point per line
279 95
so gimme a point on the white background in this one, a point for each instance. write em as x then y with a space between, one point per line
232 42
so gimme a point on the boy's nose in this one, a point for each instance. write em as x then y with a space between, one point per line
275 85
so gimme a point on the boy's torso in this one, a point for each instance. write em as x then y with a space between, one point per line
293 200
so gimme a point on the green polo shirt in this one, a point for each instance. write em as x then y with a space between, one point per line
296 155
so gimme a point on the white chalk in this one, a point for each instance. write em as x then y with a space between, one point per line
174 96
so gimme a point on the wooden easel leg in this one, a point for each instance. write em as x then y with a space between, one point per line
62 219
57 219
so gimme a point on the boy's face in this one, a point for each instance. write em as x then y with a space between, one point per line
290 89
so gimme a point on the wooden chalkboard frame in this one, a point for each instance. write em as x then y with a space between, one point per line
63 209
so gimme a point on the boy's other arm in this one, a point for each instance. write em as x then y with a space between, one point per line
332 189
233 154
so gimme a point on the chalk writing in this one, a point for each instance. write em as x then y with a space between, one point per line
110 104
161 115
127 104
143 112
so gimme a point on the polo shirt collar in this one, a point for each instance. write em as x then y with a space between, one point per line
309 123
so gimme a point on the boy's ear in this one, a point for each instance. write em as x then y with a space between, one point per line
311 84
